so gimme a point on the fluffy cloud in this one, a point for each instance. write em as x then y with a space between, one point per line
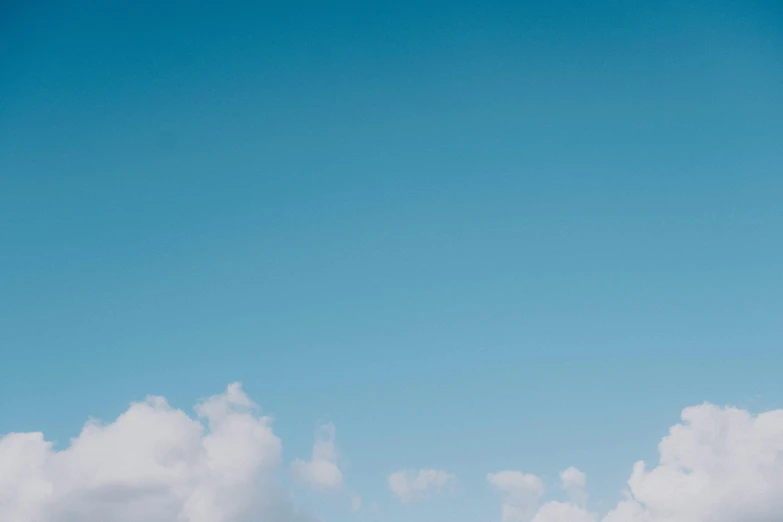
153 463
322 472
520 492
411 485
717 465
574 482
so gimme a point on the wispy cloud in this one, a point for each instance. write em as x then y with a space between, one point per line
409 485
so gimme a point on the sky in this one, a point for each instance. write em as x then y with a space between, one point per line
460 256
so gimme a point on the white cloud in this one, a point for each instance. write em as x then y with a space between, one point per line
321 473
520 492
153 463
409 485
718 465
356 502
562 512
628 511
573 482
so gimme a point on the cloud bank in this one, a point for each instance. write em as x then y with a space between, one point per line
157 464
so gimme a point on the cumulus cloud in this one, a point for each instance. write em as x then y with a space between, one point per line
574 482
717 465
153 463
321 473
520 493
409 485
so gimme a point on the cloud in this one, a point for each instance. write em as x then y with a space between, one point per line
717 465
153 463
356 502
573 482
520 493
158 464
562 512
321 473
409 485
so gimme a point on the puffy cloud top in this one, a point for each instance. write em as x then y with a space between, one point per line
718 465
574 482
153 463
520 491
322 472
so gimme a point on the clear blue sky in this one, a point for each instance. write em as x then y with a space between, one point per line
473 236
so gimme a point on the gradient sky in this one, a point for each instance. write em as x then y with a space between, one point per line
474 237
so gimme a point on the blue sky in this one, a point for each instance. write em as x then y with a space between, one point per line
474 237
